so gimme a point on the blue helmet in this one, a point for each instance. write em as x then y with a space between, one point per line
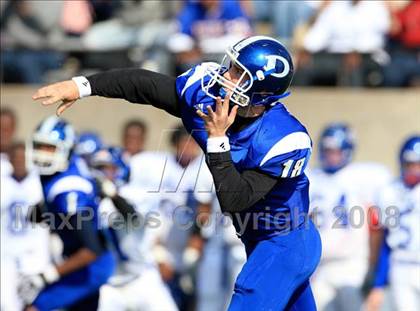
336 136
267 72
87 144
122 162
111 156
410 153
51 145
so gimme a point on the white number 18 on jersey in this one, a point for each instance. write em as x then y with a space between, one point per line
292 168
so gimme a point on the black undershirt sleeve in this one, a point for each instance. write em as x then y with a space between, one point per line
138 86
124 208
87 235
237 191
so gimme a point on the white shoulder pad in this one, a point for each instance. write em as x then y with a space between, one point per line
289 143
200 71
67 184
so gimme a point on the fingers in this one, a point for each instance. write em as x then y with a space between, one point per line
51 100
211 114
226 102
222 106
232 115
48 95
219 105
40 93
202 115
63 106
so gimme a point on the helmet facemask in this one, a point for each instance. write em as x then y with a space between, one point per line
48 157
238 89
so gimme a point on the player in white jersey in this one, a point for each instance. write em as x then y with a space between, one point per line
399 264
180 173
128 212
341 194
24 246
223 253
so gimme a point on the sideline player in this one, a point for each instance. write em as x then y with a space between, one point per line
257 159
342 192
400 261
70 209
24 246
137 284
177 262
222 252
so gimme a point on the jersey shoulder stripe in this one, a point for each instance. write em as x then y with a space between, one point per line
69 184
195 74
289 143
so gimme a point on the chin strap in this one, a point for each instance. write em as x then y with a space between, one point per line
271 100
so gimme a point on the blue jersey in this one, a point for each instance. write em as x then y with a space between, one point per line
276 144
68 193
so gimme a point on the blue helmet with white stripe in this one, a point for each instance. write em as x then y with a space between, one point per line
267 71
51 146
111 157
338 138
87 144
410 154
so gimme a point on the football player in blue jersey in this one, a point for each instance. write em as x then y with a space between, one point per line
70 209
256 151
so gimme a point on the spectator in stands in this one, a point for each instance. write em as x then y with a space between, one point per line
404 45
7 134
143 25
27 40
134 137
344 44
76 26
285 16
205 28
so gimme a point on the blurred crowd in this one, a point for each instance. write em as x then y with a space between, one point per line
344 43
188 256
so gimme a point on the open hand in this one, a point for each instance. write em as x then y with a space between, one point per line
65 93
219 121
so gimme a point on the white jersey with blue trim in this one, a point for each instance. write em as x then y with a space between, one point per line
276 144
25 242
132 243
339 206
400 208
180 206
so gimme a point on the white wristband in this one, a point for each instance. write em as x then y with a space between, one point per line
218 144
83 85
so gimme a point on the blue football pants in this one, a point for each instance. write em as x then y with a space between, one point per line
77 286
276 274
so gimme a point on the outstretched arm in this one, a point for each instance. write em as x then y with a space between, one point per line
135 85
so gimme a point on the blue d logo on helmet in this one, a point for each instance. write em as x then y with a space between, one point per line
88 143
267 71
